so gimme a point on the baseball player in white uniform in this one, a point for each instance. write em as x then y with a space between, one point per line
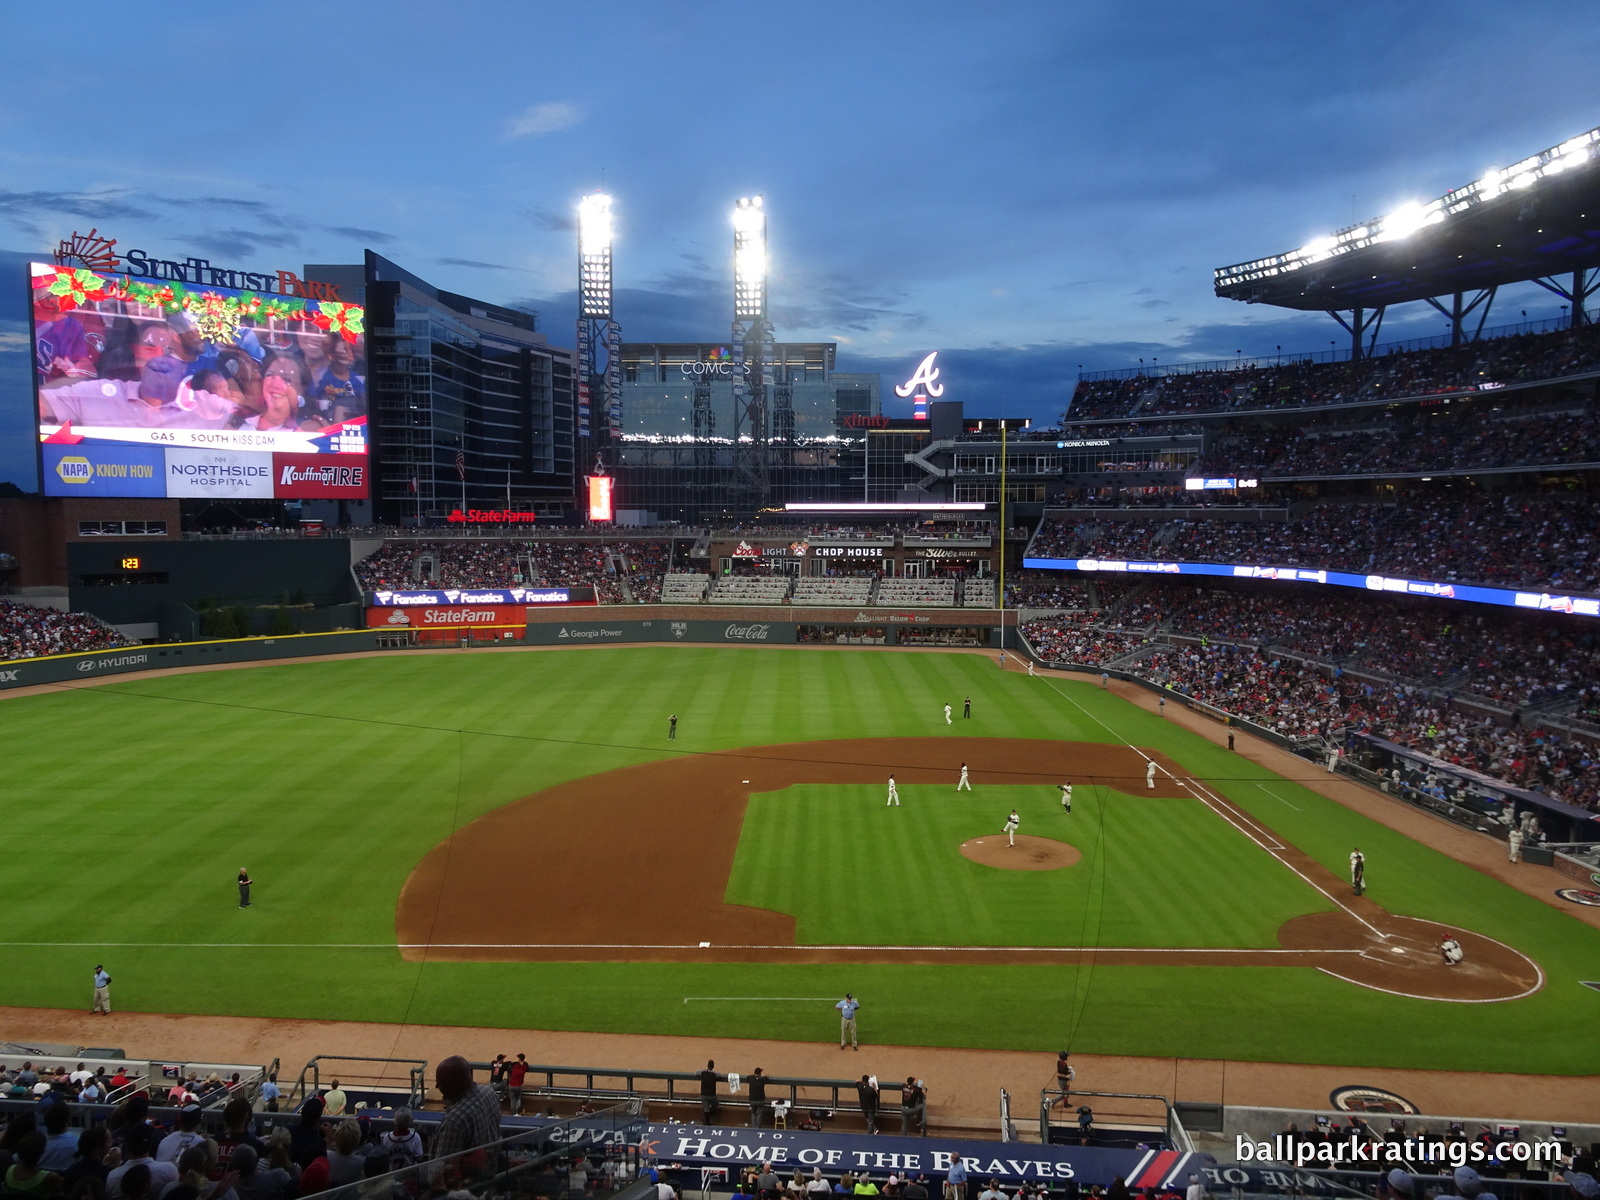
1066 798
894 794
1451 949
1010 829
947 720
1030 667
1150 774
964 782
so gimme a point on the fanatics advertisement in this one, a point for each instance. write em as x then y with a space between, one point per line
1586 606
201 385
481 596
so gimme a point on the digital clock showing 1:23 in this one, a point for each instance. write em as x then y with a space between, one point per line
130 564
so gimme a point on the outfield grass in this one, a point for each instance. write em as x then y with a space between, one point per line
129 807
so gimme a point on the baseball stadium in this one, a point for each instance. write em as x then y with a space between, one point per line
1217 765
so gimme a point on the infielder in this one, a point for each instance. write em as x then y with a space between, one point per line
947 720
1066 798
1358 871
1150 775
964 782
1010 829
1030 668
894 794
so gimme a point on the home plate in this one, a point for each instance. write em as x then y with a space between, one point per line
1397 950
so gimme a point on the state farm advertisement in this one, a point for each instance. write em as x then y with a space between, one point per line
456 616
319 476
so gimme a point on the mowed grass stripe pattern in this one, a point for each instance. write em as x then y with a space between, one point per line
1154 872
128 808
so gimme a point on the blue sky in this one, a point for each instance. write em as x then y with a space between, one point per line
1024 186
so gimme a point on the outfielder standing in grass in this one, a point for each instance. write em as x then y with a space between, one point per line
947 720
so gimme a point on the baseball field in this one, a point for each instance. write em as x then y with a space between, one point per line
509 839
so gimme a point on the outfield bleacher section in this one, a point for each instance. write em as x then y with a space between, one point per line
977 593
680 588
750 589
837 592
917 593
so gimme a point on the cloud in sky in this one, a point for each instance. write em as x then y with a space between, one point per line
355 233
472 264
550 117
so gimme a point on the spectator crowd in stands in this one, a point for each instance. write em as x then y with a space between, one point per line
1302 383
1306 665
1546 543
501 564
30 632
1430 439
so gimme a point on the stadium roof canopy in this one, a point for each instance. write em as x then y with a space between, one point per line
1534 219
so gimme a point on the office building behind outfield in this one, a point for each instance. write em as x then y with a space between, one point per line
676 456
472 407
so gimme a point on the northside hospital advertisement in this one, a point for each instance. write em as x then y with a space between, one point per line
161 388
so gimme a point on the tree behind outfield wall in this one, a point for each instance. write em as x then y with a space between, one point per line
282 623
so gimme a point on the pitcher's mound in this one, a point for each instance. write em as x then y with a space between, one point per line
1029 854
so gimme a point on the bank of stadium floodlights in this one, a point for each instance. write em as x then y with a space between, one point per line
1526 222
754 348
599 335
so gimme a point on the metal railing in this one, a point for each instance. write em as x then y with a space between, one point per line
1143 1110
683 1087
407 1076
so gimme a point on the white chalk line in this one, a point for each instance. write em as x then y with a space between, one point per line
1278 798
1191 785
790 948
763 999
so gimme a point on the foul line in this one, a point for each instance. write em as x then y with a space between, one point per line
807 999
1446 999
1191 785
1278 798
798 949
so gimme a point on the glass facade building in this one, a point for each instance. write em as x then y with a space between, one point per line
471 405
677 456
659 381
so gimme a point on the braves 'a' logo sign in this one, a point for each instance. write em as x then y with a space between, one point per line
924 376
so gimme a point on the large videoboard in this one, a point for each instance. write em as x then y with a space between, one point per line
153 387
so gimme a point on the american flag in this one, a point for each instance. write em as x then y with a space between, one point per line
413 483
461 466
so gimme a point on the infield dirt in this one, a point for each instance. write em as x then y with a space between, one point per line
688 811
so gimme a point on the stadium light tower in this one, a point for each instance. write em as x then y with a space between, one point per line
753 347
599 335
